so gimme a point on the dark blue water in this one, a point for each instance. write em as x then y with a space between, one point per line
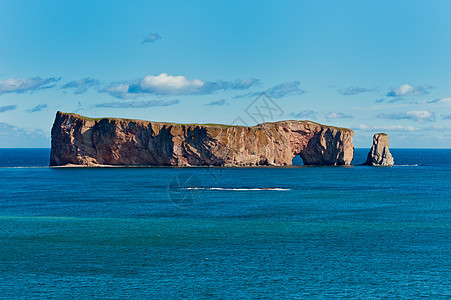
24 157
167 233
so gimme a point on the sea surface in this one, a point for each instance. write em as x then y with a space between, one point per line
354 232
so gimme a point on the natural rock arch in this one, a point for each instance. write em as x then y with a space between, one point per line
110 141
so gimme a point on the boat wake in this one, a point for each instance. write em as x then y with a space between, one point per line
236 189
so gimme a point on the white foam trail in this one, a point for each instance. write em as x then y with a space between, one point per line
237 189
415 165
30 167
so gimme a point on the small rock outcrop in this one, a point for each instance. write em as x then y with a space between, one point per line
379 154
78 140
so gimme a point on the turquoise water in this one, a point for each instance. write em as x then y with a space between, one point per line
166 233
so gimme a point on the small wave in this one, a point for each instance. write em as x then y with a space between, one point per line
415 165
236 189
25 167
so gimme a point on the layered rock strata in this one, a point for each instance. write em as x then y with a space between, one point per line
379 154
78 140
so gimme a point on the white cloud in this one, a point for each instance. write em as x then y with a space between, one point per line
138 104
12 136
415 115
22 85
119 90
164 84
408 90
167 84
337 115
389 128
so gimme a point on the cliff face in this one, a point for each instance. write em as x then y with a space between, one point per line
379 154
108 141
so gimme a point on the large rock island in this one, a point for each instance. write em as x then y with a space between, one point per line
78 140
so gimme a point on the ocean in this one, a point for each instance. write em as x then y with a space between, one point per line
297 232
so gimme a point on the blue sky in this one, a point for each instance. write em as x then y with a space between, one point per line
370 66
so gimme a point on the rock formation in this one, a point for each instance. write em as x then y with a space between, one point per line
110 141
379 154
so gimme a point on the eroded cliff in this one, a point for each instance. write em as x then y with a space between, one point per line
110 141
379 154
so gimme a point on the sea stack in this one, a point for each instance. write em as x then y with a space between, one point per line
379 154
79 140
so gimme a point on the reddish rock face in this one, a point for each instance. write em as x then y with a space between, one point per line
108 141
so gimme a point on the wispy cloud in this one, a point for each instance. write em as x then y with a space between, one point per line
285 89
409 90
281 90
435 101
7 108
151 38
138 104
37 108
305 114
22 85
416 115
12 136
165 85
446 130
82 85
337 115
354 91
218 103
239 84
385 128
